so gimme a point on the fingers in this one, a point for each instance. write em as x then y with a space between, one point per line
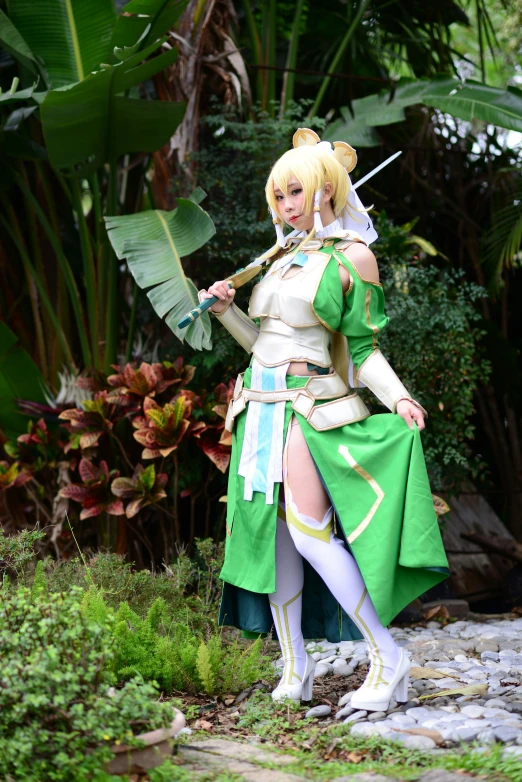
220 289
407 417
418 417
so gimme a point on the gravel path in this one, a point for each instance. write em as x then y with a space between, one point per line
485 654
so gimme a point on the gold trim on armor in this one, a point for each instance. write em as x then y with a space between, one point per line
345 453
286 643
358 273
321 534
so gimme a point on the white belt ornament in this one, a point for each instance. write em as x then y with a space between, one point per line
262 454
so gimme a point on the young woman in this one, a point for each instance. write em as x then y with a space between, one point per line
331 529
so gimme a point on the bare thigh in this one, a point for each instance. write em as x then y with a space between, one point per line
302 477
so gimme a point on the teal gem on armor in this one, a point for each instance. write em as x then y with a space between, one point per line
300 259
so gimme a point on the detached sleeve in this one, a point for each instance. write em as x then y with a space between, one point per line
363 316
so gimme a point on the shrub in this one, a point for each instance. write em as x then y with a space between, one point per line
58 713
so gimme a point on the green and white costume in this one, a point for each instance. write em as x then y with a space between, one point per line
372 466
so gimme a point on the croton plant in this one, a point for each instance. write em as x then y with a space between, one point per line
130 449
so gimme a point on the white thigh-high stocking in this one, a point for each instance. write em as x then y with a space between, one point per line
310 522
286 603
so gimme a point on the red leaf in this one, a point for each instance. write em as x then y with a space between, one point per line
89 439
135 506
75 492
88 471
217 454
94 510
116 508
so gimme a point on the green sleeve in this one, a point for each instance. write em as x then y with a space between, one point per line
363 314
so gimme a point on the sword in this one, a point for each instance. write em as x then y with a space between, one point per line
243 276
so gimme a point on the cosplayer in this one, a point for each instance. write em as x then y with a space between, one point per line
331 529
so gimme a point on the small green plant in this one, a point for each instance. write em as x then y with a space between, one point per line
59 714
17 551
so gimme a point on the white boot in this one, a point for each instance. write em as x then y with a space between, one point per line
301 691
376 693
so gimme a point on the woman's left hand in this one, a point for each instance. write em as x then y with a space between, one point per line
409 413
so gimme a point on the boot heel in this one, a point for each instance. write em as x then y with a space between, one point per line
401 691
308 687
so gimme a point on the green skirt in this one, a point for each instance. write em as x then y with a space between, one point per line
375 475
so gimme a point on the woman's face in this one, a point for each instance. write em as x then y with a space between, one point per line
290 206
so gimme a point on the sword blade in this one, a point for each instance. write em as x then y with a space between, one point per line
376 169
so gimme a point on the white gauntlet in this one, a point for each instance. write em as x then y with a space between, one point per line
238 324
380 378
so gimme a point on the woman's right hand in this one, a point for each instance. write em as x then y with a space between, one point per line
222 291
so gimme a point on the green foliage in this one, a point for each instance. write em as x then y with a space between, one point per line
17 551
58 714
434 343
204 668
39 586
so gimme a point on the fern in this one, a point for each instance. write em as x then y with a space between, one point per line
40 582
204 668
502 242
94 607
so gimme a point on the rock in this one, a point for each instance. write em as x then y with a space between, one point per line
364 730
321 670
344 712
486 647
466 734
344 699
511 752
342 668
499 703
319 711
402 720
440 775
375 716
489 655
473 711
505 735
418 712
358 715
487 736
516 706
419 742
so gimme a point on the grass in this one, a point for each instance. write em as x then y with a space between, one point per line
323 751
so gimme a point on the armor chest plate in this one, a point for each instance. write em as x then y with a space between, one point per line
287 295
290 330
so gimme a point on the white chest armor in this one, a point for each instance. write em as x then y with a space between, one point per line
290 329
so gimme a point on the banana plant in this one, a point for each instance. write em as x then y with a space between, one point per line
153 243
79 117
468 100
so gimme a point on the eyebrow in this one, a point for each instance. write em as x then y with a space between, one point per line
291 184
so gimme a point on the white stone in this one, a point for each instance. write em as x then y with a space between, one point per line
473 711
344 699
342 668
319 711
344 712
419 742
357 715
364 730
417 712
512 752
321 670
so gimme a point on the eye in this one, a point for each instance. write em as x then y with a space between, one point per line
278 198
296 191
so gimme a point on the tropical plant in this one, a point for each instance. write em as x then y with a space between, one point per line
77 143
93 460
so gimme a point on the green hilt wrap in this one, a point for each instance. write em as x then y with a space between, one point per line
191 316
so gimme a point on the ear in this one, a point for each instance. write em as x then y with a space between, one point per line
327 191
305 137
345 155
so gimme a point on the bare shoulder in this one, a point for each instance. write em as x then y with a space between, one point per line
364 261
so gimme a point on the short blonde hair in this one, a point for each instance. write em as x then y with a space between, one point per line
312 168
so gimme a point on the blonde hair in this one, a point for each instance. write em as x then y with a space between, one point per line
312 168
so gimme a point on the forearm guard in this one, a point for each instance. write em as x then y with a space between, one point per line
380 378
239 325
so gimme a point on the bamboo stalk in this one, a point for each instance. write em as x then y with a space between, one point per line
338 56
255 43
65 269
88 272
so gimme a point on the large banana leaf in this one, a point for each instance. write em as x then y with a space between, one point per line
468 100
92 123
20 378
71 36
14 43
153 243
150 17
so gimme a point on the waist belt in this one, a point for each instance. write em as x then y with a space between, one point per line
342 409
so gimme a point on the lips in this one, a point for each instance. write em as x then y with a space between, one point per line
293 219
